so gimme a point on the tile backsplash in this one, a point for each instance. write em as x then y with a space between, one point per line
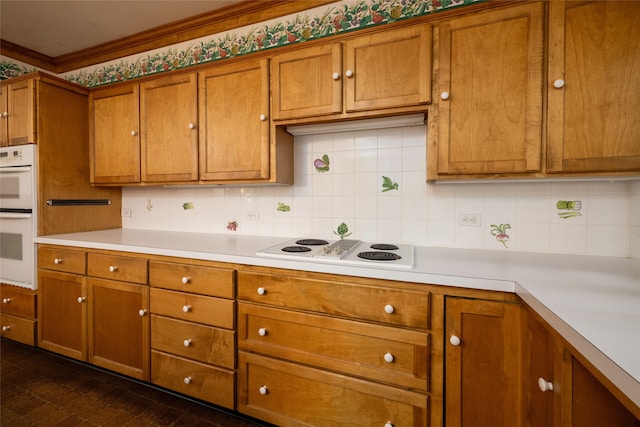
373 182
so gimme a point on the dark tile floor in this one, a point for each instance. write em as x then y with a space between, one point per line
39 388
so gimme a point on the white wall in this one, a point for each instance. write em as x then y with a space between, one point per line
416 213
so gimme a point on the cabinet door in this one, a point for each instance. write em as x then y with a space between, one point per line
114 134
392 69
482 363
490 89
307 82
118 325
234 117
594 58
62 313
169 137
21 120
4 113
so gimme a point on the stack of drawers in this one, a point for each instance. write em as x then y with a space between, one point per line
18 314
193 330
317 351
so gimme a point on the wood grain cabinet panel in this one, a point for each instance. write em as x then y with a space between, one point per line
18 301
18 114
55 258
217 282
117 267
193 308
114 135
18 329
594 87
489 111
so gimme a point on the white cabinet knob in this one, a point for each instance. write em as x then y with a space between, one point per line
5 114
444 95
263 117
186 342
335 76
545 385
113 268
185 280
187 380
262 291
455 340
192 125
262 332
81 299
388 357
142 312
186 308
263 389
134 133
6 328
57 260
6 300
559 83
348 73
389 309
388 424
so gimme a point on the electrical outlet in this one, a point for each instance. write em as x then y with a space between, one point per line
253 215
473 220
125 213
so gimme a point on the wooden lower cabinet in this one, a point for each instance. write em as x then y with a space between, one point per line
18 314
193 338
290 394
482 363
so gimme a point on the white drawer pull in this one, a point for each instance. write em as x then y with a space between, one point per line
558 84
389 309
81 299
187 380
142 312
388 357
113 268
134 133
262 332
186 308
262 291
263 118
57 260
6 300
544 385
335 76
6 328
388 424
348 73
455 340
192 125
185 280
263 389
444 95
186 342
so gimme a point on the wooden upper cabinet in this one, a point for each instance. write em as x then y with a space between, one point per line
18 124
114 133
234 122
391 69
307 82
386 70
489 115
594 87
168 129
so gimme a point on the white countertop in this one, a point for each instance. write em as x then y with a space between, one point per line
594 302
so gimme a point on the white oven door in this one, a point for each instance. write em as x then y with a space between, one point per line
16 187
17 249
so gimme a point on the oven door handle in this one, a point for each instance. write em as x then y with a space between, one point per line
16 169
13 215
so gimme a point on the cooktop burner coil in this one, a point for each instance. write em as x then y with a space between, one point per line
379 256
295 249
384 247
311 242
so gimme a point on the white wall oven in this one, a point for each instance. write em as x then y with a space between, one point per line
17 215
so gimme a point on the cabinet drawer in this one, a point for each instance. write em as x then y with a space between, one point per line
381 353
193 308
378 304
120 268
193 379
202 343
62 260
18 329
216 282
18 301
285 393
